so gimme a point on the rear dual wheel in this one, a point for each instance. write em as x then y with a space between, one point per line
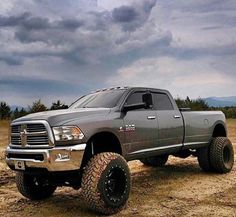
218 156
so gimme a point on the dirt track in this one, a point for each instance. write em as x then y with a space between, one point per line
180 188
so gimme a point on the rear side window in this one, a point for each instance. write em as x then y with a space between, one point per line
161 102
135 98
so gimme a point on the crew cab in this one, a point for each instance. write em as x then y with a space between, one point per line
88 145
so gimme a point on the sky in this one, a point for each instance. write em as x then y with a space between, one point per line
57 49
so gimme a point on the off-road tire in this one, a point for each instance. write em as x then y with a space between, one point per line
203 157
157 161
96 177
221 155
30 188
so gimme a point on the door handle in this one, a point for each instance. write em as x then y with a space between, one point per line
176 116
151 117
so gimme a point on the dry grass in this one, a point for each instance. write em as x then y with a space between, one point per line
4 127
231 125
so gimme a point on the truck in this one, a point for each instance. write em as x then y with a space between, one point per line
88 145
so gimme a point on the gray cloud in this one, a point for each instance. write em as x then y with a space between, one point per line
31 88
124 14
133 16
13 20
35 23
33 29
70 24
92 38
81 45
25 20
11 59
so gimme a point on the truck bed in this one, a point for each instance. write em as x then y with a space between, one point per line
199 126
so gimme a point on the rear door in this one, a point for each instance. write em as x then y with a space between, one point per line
170 122
140 126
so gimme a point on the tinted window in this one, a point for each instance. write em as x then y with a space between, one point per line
103 99
135 98
162 102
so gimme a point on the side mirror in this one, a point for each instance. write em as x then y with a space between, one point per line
147 99
134 107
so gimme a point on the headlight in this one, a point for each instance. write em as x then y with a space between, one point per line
67 133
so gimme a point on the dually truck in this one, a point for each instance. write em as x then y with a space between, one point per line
87 146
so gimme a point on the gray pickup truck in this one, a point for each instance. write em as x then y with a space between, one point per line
88 145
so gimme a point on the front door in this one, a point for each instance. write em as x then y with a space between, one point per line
140 126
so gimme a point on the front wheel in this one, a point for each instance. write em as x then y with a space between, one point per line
33 187
106 183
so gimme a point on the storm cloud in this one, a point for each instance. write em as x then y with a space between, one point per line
124 14
89 44
132 17
86 38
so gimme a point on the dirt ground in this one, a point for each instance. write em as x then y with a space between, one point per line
180 188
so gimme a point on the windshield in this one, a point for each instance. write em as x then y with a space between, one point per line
103 99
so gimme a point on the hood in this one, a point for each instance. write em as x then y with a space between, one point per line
59 117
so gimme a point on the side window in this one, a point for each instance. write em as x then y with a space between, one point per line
135 98
162 102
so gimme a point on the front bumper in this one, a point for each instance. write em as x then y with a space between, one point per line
54 159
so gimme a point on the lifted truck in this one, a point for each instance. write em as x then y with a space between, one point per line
88 145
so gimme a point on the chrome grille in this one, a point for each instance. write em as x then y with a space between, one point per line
29 135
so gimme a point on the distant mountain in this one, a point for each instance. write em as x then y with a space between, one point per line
221 101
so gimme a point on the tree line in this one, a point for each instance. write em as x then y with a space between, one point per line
7 113
201 105
195 105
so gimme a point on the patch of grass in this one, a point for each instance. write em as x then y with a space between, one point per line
231 125
4 124
4 128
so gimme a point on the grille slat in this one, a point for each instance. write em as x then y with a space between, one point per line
29 135
36 128
15 129
37 138
16 140
37 143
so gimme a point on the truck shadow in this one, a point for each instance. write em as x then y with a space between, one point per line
69 202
